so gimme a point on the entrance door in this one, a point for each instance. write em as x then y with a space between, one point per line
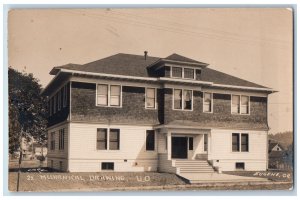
179 147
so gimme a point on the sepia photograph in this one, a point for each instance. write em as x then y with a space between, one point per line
150 99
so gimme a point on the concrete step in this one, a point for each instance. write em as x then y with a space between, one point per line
192 164
197 172
195 166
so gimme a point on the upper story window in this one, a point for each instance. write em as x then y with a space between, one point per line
59 100
65 89
240 104
50 106
54 103
177 72
182 99
183 72
109 95
207 102
150 97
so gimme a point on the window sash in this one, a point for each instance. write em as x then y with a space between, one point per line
244 142
150 97
150 140
235 142
65 96
235 104
115 94
102 94
189 73
177 72
177 99
101 139
114 139
188 96
245 104
207 102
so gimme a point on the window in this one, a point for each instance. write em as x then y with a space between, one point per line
177 72
61 144
235 104
240 166
205 142
65 98
150 97
235 142
108 139
101 139
59 100
191 143
50 106
245 105
244 143
52 141
189 73
240 142
54 103
60 165
102 95
107 166
114 139
240 104
150 140
115 94
109 95
51 165
182 99
207 102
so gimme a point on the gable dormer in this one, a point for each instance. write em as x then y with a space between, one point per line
177 67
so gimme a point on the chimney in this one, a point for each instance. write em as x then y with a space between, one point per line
145 53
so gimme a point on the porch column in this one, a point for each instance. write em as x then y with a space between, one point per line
169 147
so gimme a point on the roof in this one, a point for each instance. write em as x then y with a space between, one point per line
136 65
273 144
176 57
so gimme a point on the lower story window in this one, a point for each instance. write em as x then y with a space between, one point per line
240 166
107 166
150 140
60 165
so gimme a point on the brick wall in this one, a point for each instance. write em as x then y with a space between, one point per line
133 110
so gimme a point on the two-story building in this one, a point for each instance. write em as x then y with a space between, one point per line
141 113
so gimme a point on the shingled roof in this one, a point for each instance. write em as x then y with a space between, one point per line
136 65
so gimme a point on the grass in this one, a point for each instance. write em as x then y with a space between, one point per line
31 180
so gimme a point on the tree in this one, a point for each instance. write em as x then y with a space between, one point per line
27 109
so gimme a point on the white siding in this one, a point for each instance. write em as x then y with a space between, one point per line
58 155
84 155
221 150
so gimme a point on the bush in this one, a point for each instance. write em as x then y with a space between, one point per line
41 158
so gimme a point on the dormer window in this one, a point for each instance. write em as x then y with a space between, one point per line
177 72
183 72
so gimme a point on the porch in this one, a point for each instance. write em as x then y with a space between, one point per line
184 150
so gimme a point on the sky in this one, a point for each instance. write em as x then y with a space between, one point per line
255 44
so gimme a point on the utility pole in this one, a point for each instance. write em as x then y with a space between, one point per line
20 159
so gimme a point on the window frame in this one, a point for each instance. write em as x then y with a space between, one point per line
61 139
182 99
211 102
240 143
155 98
182 74
107 163
107 142
154 142
109 95
240 104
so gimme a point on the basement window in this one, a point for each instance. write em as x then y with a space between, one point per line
107 166
240 166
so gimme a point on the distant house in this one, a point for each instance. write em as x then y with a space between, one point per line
39 150
140 113
279 157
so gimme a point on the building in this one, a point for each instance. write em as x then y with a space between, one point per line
141 113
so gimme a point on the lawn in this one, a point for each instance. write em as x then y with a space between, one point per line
35 178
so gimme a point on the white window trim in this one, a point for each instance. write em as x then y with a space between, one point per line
212 102
182 74
240 104
108 95
107 141
240 143
155 96
155 141
182 102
